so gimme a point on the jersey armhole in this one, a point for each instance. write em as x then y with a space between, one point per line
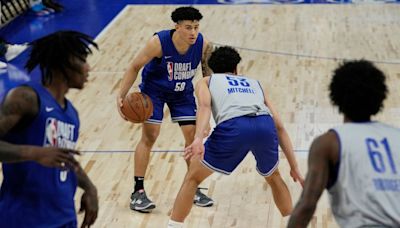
334 171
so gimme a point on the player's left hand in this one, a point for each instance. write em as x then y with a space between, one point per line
296 175
89 205
194 149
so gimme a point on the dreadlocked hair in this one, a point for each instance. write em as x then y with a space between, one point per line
55 52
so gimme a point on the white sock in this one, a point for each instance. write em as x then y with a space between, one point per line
173 224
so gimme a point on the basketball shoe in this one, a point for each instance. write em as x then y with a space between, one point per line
202 200
140 202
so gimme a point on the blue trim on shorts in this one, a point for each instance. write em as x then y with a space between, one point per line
270 172
214 168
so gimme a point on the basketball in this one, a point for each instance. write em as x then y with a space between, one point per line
137 107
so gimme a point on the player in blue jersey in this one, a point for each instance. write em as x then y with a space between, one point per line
246 121
170 59
357 162
39 129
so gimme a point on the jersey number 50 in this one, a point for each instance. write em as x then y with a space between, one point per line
180 86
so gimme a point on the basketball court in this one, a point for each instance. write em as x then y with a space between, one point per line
290 48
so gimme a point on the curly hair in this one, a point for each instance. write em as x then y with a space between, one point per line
358 88
186 13
224 59
54 52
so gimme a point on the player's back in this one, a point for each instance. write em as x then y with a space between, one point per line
233 96
367 189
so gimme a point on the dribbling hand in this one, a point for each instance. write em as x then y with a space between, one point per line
119 107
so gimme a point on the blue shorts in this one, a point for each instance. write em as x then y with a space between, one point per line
231 140
182 105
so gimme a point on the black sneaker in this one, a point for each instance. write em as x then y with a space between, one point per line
140 202
202 200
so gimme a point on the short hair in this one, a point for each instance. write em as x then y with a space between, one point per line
224 59
54 52
358 88
186 13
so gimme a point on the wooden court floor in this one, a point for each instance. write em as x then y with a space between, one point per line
291 49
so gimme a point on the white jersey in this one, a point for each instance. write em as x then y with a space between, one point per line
233 96
367 189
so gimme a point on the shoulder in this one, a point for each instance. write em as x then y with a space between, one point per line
22 94
21 100
203 82
153 47
326 145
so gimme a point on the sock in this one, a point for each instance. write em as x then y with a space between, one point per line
173 224
138 183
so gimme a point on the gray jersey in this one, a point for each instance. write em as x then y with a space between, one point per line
367 189
233 96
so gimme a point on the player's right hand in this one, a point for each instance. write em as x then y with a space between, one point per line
119 106
196 149
296 175
55 157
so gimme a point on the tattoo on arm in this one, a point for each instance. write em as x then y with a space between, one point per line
204 61
18 104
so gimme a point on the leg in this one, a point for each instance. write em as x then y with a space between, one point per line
188 130
150 133
140 202
267 156
281 193
184 200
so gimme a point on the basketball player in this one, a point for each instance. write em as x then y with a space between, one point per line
39 129
359 161
170 59
246 120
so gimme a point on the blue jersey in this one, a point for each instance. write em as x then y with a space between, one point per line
32 195
172 72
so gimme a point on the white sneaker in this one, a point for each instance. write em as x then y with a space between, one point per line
13 50
3 65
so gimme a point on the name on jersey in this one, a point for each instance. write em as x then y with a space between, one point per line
383 184
59 134
180 71
240 90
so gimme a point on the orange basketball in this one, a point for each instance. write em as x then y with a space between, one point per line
137 107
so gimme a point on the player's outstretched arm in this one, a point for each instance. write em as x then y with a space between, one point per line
151 50
285 142
321 158
89 199
202 118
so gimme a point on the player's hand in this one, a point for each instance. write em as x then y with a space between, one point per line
55 157
296 175
194 149
89 205
119 106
